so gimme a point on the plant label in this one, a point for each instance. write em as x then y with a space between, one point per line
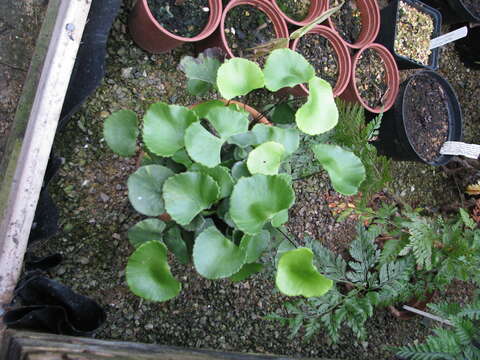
448 37
471 151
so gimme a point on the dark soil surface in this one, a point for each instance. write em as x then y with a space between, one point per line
414 32
371 78
320 53
347 20
473 6
20 22
295 9
185 18
91 193
426 116
247 27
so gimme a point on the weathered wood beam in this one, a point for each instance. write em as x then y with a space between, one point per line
37 346
27 161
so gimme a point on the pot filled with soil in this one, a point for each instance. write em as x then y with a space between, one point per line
375 79
244 25
299 12
325 50
161 25
425 115
468 48
407 27
357 22
455 11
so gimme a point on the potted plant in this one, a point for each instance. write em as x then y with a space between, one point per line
375 79
357 23
217 176
244 25
299 12
457 11
407 26
159 26
326 51
417 126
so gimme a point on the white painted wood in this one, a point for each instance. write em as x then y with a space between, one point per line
42 123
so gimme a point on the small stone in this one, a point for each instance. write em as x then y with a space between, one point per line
83 260
116 236
149 326
127 72
104 197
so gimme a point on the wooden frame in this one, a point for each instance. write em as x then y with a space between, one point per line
35 346
34 127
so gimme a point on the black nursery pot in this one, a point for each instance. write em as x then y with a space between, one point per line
453 11
388 33
468 48
394 140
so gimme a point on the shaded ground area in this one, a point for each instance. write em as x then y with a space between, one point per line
20 23
91 192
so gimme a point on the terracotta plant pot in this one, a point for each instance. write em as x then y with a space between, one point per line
218 39
370 15
152 37
343 57
351 94
317 7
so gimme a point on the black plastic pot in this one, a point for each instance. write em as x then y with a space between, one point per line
453 11
394 140
388 33
468 48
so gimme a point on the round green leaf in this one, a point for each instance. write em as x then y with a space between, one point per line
215 256
146 230
280 219
175 243
203 108
246 271
187 194
345 169
164 128
289 138
257 199
240 169
202 146
297 276
319 114
286 68
237 77
255 245
220 174
266 158
148 274
120 132
227 122
145 189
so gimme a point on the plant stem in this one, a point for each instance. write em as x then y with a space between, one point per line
288 238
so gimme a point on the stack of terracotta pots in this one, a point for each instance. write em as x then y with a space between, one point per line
151 36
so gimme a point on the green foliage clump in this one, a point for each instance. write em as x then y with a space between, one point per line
355 134
212 174
458 341
361 285
443 249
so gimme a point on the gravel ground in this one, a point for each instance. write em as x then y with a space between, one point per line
95 213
